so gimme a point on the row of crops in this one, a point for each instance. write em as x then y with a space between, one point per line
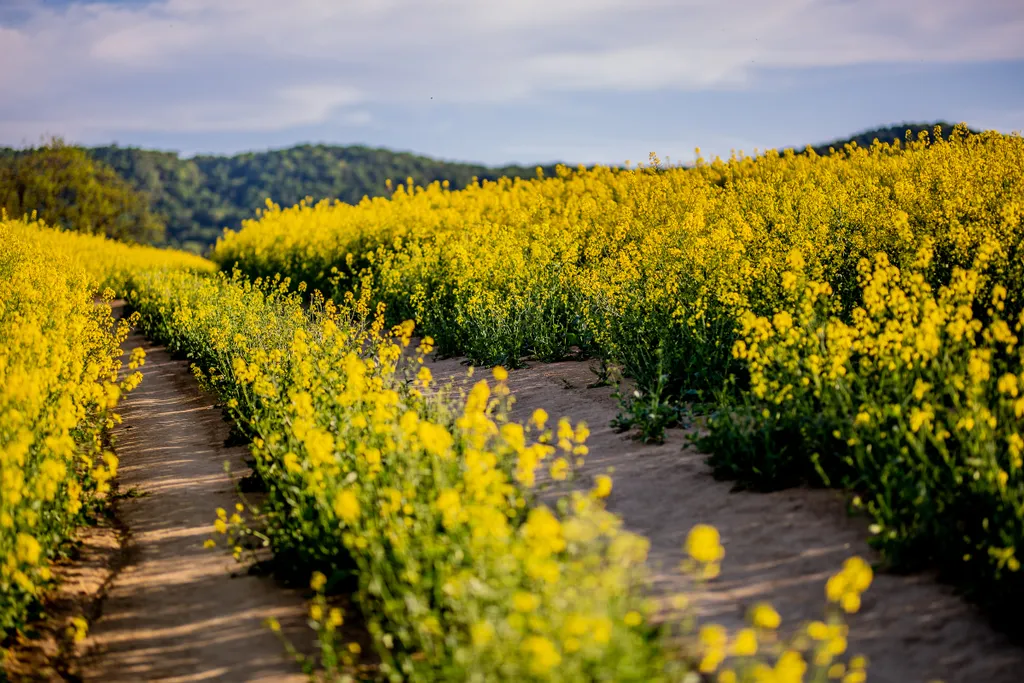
428 498
850 320
59 388
425 498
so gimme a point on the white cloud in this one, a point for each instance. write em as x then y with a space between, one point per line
258 65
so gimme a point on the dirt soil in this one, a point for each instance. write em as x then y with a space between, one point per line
177 611
48 653
780 547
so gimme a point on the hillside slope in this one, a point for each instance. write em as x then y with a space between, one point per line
199 196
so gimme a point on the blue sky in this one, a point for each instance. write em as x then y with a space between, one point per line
581 81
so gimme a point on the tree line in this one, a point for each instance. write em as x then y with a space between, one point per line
161 198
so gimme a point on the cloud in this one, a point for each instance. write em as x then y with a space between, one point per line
93 68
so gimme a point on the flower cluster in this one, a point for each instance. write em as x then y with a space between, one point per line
426 494
912 401
427 499
650 268
111 264
863 308
59 386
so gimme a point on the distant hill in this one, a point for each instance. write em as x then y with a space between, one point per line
888 134
199 196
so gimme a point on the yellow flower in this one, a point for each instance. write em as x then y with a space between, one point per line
560 469
703 544
79 629
745 643
713 639
481 633
790 667
603 486
542 653
346 506
764 616
711 661
28 549
836 646
711 570
835 587
601 630
818 630
525 602
713 636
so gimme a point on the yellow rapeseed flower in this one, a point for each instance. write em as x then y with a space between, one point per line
346 506
764 616
703 545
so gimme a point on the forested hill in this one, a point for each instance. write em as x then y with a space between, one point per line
197 197
866 138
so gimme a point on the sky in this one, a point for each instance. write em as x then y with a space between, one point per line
503 81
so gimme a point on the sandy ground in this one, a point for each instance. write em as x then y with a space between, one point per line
176 611
780 547
49 654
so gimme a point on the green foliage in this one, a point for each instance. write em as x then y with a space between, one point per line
67 188
653 411
200 196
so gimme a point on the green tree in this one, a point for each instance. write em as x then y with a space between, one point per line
66 187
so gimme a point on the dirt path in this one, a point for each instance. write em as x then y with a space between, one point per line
780 547
175 612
